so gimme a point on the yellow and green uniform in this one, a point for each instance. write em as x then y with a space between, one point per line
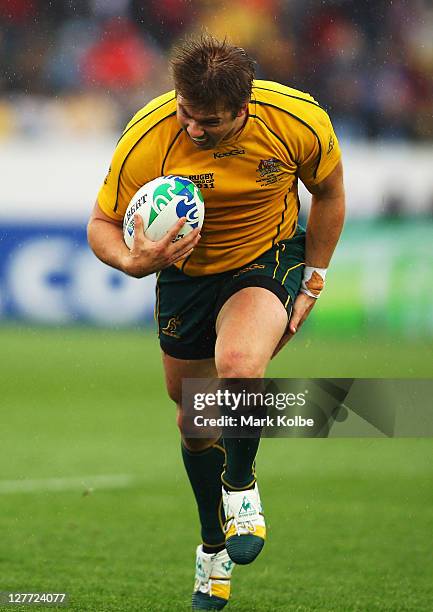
249 182
250 235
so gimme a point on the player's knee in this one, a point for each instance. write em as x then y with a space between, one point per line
234 363
192 444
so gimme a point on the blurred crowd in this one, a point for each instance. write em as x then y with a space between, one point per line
85 66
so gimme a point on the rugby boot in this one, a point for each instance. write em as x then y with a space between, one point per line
212 580
244 528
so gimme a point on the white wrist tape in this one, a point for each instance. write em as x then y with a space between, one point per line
313 281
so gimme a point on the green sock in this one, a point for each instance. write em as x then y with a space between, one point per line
204 470
239 471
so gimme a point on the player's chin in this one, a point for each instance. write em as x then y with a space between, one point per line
204 145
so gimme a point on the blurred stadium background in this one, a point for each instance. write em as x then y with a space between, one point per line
75 358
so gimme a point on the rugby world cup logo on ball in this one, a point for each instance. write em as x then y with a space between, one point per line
161 203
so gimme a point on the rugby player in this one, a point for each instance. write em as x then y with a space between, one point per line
230 297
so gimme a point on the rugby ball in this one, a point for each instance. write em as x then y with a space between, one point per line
161 203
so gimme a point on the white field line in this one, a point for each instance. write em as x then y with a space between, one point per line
83 483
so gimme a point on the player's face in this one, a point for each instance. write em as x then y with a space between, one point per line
207 130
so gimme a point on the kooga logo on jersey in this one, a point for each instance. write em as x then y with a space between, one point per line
229 153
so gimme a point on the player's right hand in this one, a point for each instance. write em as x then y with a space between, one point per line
147 256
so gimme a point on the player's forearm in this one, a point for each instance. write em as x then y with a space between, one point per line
106 241
146 256
325 223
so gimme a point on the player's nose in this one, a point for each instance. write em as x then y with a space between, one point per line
194 130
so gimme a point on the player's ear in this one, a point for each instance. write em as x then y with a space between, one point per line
243 110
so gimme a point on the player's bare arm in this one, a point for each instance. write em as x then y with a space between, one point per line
105 238
325 223
326 218
324 226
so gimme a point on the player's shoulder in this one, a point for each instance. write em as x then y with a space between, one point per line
273 98
158 113
277 92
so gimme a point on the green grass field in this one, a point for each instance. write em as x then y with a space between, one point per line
350 521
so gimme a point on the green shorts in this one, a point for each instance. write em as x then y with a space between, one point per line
187 306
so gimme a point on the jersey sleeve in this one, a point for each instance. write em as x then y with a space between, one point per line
139 154
121 183
320 151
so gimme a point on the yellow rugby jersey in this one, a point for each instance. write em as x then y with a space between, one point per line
249 182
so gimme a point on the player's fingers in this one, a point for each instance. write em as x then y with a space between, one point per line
138 230
301 309
298 317
187 242
138 225
183 246
295 320
183 256
173 232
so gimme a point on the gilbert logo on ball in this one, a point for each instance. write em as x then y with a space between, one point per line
160 203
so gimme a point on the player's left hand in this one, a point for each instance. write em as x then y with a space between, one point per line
301 309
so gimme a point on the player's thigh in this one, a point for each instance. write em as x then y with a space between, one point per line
185 314
249 326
